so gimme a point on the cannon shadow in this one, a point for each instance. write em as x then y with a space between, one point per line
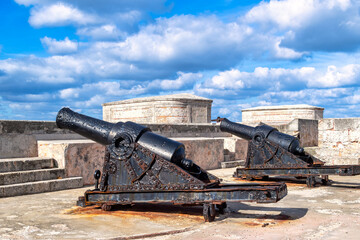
260 212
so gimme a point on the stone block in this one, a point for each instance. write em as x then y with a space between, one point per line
241 149
78 157
208 153
14 145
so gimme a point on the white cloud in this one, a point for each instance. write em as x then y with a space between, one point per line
94 101
187 39
292 13
90 89
317 97
310 25
59 47
337 77
261 78
228 79
185 80
59 14
286 53
69 93
108 31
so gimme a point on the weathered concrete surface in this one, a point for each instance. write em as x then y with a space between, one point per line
284 113
19 138
176 108
78 157
339 141
208 153
40 186
306 130
21 164
188 130
331 212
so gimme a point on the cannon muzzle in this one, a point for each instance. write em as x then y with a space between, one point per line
288 142
107 133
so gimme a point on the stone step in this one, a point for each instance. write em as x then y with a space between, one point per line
24 164
232 164
31 176
40 186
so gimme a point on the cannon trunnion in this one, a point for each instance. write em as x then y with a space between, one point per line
272 153
143 167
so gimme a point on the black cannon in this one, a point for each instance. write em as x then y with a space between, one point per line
272 153
143 167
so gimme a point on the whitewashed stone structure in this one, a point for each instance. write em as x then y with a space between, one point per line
281 114
167 109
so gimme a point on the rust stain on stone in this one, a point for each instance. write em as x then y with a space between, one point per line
268 220
193 215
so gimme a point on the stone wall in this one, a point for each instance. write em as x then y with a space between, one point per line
78 157
187 130
339 141
168 109
281 114
19 138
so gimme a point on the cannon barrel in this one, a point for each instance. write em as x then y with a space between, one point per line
288 142
106 133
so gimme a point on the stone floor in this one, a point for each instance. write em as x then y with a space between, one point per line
330 212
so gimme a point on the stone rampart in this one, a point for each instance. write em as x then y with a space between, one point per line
19 138
339 141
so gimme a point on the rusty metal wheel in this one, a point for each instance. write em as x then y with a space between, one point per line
106 207
209 212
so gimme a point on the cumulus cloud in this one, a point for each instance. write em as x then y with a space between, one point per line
203 54
228 79
184 81
337 77
104 32
59 14
311 25
86 90
284 79
195 43
284 14
59 47
262 78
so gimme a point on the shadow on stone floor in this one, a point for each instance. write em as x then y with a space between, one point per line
275 213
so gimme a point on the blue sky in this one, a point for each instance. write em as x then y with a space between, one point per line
241 54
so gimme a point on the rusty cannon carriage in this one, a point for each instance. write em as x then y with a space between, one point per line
273 153
143 167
